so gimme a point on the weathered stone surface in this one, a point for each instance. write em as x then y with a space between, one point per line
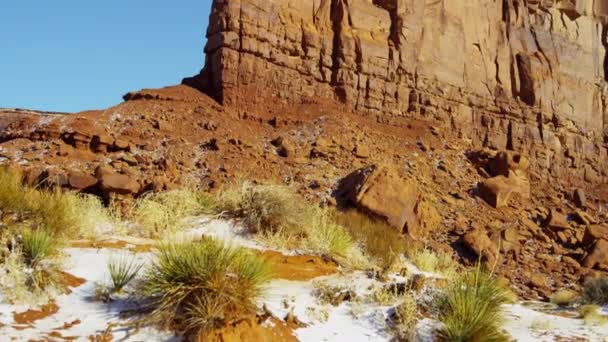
557 221
381 191
478 242
579 198
119 184
520 75
81 181
499 190
598 255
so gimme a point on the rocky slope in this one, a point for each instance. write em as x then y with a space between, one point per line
311 91
524 75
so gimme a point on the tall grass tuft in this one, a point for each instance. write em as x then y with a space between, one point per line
37 244
595 291
382 243
197 286
471 309
405 319
327 237
161 212
122 272
563 298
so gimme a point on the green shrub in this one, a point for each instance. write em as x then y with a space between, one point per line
196 286
382 243
595 291
325 236
122 272
37 245
471 309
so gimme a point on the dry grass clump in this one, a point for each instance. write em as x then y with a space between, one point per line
405 318
197 286
563 298
590 313
161 212
471 309
63 214
280 219
595 291
382 243
262 207
428 261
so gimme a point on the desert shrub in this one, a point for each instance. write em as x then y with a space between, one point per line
196 286
595 291
325 236
428 261
266 207
381 242
62 213
471 308
563 297
160 212
37 244
405 318
122 272
590 313
386 295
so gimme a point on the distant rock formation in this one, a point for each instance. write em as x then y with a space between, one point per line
522 75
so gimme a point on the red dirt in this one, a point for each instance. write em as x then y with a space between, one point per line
30 316
298 267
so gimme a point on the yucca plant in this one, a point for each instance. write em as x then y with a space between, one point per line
471 309
122 272
37 245
196 286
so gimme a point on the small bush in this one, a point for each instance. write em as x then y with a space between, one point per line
196 286
122 272
161 212
595 291
381 242
405 319
471 309
563 298
428 261
37 244
326 237
590 313
262 207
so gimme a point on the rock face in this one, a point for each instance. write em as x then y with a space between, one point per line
523 75
380 190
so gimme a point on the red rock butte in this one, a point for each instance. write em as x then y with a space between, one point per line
525 75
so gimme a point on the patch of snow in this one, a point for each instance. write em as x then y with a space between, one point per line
525 324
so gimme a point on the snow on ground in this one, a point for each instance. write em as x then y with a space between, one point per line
349 321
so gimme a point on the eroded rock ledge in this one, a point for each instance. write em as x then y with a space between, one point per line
524 75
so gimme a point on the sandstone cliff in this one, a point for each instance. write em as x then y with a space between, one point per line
525 75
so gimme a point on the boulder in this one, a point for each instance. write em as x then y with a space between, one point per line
506 162
81 181
119 184
478 242
579 198
557 221
499 190
597 256
381 191
594 233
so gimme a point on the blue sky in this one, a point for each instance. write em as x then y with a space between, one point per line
72 55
